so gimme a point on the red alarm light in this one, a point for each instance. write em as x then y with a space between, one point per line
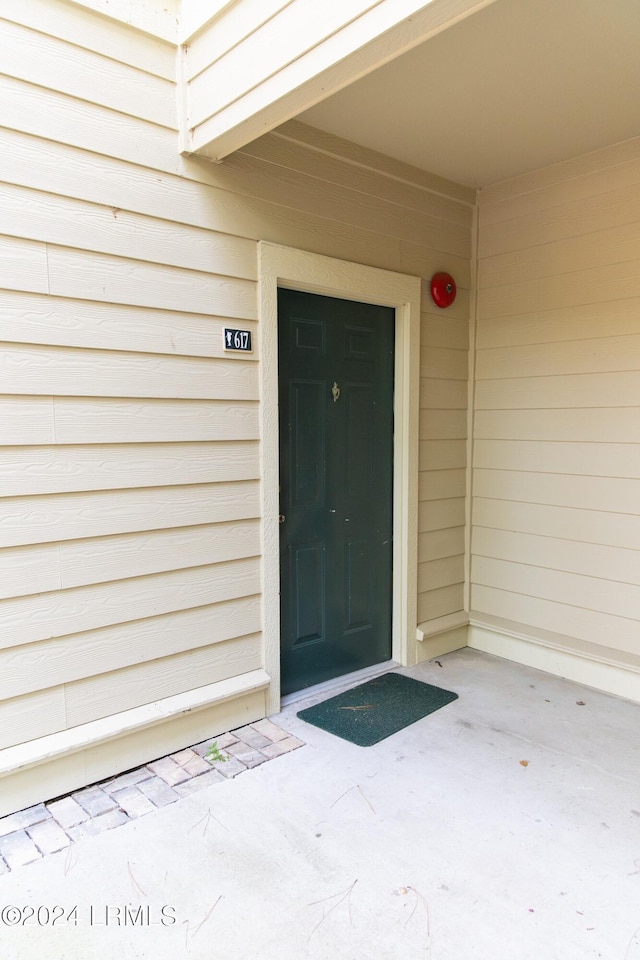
443 289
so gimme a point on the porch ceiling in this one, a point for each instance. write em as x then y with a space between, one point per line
517 86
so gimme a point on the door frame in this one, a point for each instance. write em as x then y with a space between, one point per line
280 266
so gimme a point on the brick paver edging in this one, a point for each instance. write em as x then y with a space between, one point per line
45 828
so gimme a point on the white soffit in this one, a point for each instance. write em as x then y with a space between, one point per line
518 86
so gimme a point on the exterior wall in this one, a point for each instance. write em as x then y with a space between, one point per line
556 482
359 206
130 463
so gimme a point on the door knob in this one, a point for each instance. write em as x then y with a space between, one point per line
281 518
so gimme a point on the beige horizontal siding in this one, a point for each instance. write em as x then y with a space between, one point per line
80 420
73 70
133 686
553 393
114 40
433 604
584 322
66 322
436 544
440 484
41 665
23 265
554 553
38 215
70 516
589 424
556 483
47 567
579 525
63 469
28 620
48 370
32 715
62 119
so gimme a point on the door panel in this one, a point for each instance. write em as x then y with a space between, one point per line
336 473
308 588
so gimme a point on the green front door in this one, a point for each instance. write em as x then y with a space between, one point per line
336 475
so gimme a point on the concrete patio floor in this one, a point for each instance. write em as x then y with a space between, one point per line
437 843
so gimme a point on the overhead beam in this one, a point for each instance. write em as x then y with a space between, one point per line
295 59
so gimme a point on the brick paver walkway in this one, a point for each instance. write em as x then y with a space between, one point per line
45 828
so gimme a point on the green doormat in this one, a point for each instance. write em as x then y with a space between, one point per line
376 709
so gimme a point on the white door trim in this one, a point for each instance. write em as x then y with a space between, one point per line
299 270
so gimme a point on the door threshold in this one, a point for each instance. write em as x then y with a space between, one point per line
321 691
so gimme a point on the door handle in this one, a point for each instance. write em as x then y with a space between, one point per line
281 518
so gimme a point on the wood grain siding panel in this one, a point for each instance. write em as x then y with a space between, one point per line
92 276
39 617
437 544
71 516
610 209
28 570
23 265
444 454
42 216
342 204
440 332
114 40
554 393
592 425
26 420
117 557
64 120
133 686
580 178
443 425
31 716
38 666
442 394
440 484
556 515
57 370
439 603
590 459
38 470
602 355
441 514
591 560
586 322
274 148
434 574
56 65
154 421
65 322
616 634
604 247
444 363
570 523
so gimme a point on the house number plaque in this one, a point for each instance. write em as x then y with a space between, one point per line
239 340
